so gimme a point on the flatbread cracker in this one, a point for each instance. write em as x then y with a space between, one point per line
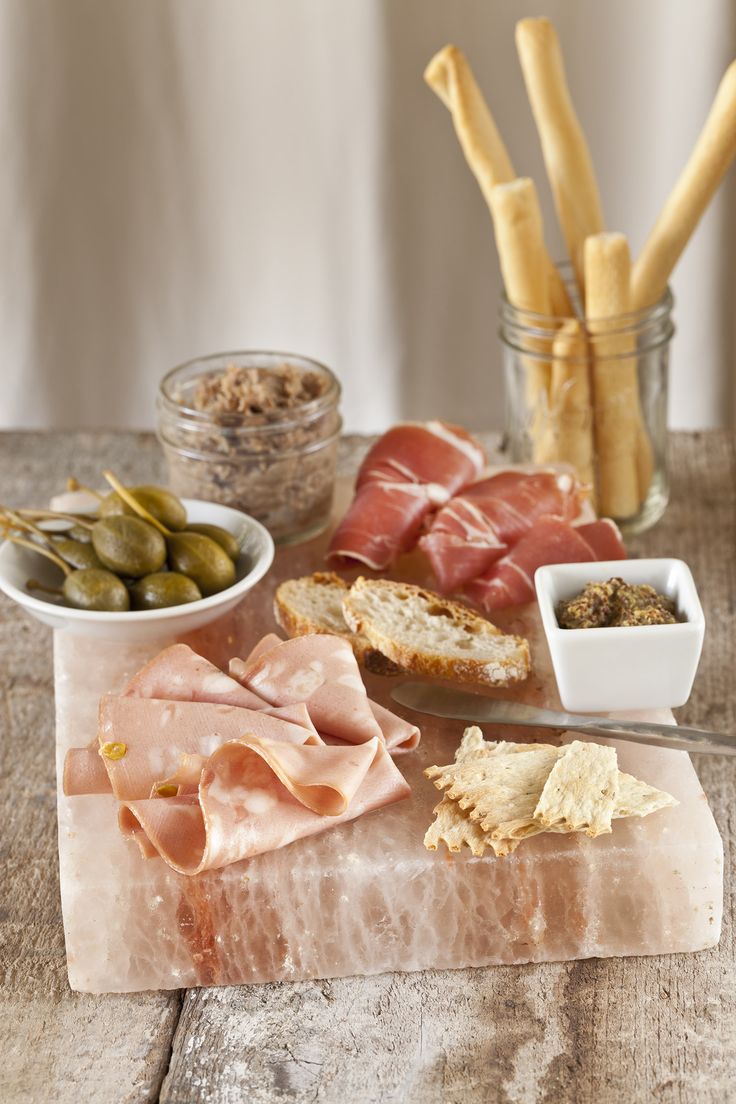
581 790
636 798
498 793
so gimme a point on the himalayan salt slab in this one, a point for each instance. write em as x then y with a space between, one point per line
367 897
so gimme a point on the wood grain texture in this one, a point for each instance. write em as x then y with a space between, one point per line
609 1031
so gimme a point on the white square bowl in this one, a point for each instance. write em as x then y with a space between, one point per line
610 669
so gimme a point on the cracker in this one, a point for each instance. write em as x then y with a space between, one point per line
636 798
581 790
499 793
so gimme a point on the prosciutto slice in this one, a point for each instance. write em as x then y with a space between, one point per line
256 796
409 472
321 672
510 581
480 524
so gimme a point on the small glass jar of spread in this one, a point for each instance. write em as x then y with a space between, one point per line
593 394
257 431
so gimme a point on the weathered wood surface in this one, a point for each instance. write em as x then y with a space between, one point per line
610 1031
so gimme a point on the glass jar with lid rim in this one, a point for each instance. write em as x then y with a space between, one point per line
592 393
257 430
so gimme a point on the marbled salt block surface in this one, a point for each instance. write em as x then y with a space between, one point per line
367 897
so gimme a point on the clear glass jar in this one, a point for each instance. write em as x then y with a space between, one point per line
237 429
593 394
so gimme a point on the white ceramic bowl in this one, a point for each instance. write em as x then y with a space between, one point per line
610 669
18 564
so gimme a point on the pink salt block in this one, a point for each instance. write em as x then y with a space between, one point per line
366 897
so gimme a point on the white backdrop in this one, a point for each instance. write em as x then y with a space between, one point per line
182 176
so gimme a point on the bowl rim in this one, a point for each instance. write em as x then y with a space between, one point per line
249 580
542 585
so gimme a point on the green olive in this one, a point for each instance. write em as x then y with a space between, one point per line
202 559
129 545
225 539
76 553
162 504
95 589
167 588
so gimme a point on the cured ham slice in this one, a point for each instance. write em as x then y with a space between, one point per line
256 796
411 470
510 581
384 520
424 452
480 524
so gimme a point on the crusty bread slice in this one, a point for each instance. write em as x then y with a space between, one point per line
430 635
313 604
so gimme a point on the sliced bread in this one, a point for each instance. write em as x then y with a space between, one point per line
430 635
313 604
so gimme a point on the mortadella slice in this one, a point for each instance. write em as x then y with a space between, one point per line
256 796
179 674
149 736
321 671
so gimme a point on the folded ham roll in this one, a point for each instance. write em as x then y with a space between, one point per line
480 524
256 796
409 472
204 780
510 581
321 672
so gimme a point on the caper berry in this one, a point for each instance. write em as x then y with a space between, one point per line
95 589
225 539
129 545
158 501
162 589
76 553
202 559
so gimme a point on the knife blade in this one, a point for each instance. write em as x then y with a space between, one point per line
463 705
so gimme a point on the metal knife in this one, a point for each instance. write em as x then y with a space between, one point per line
462 705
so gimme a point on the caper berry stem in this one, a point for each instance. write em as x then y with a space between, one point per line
57 515
134 504
73 484
41 551
24 524
36 584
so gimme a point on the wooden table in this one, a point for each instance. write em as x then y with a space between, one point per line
615 1030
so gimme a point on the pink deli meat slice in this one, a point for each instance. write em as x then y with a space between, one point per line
154 734
179 674
384 520
424 452
480 524
321 671
411 469
510 581
256 796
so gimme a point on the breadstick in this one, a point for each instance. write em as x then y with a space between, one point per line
570 415
709 161
517 220
566 154
450 76
615 385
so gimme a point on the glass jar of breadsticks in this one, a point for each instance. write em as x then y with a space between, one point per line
592 393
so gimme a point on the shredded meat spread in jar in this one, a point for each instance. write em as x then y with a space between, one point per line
263 394
616 604
261 437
